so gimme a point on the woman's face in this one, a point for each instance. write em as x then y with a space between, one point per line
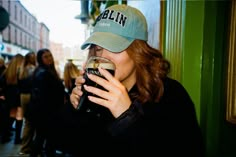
47 58
125 68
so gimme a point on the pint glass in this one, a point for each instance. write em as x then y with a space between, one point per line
92 65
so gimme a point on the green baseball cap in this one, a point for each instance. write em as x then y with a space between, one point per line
117 27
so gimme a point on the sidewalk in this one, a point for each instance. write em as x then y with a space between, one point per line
9 149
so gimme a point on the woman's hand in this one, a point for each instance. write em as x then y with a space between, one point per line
116 98
77 92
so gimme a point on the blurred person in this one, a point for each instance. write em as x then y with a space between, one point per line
144 111
2 65
71 71
67 132
12 96
3 110
47 98
25 85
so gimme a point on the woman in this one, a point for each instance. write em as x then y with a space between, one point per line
47 98
69 127
10 78
71 71
148 112
3 112
25 85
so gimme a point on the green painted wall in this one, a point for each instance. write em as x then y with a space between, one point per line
211 72
183 44
195 42
192 50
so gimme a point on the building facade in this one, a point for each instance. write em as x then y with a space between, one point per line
24 33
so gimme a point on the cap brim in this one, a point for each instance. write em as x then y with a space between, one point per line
109 41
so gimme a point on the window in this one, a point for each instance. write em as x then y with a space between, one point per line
25 20
20 16
21 42
15 12
16 36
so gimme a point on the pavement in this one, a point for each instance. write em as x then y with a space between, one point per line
10 149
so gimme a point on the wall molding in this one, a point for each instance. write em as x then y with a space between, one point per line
231 70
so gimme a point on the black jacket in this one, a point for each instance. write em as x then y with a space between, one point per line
167 128
47 97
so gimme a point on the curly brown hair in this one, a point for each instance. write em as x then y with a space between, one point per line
151 69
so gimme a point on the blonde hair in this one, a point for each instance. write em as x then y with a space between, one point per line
12 71
71 71
29 62
2 61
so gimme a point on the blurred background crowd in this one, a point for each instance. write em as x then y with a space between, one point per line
27 81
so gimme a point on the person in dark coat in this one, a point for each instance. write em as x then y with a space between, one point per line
47 99
2 65
3 108
142 110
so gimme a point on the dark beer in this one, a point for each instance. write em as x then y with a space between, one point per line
92 68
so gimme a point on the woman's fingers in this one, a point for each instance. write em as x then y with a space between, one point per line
114 96
105 83
77 92
79 81
109 76
99 92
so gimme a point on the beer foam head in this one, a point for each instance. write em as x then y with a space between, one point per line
94 65
117 27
